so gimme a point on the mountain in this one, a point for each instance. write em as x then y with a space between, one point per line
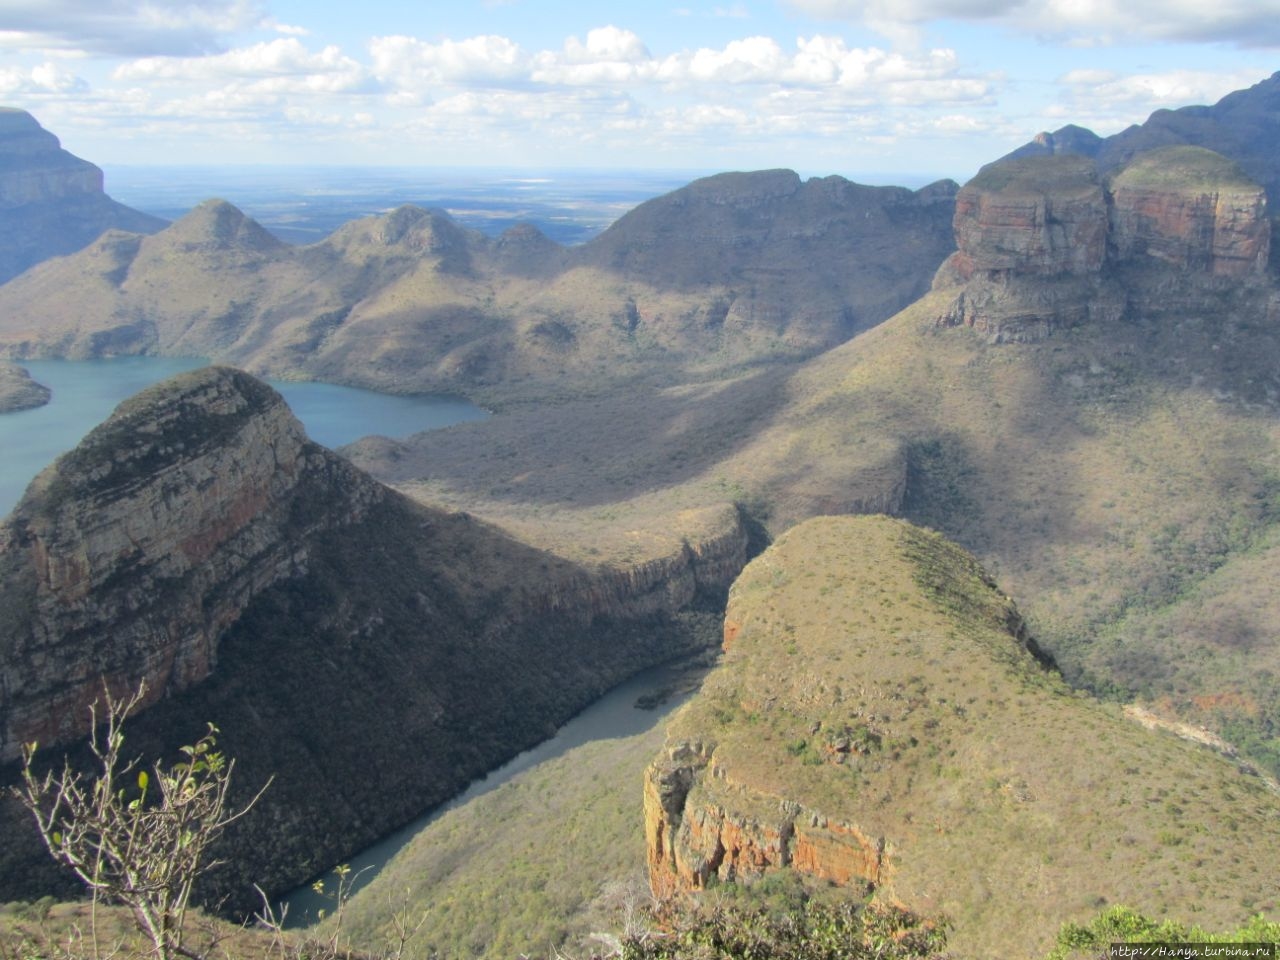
51 202
1243 126
881 720
731 271
1086 401
1044 243
370 653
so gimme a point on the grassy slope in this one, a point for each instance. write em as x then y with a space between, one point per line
543 861
1009 803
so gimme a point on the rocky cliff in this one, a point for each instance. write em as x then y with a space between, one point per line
18 391
1243 126
733 270
127 560
371 653
33 166
1193 209
1042 238
881 720
51 202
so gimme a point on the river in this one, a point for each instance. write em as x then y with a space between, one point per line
632 707
86 391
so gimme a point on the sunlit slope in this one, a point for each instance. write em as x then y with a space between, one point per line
880 717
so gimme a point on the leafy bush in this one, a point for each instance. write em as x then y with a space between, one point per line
747 928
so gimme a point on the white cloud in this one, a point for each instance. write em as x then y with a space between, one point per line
408 62
280 65
45 79
1107 101
126 27
1245 23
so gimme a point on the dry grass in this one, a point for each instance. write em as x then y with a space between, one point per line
1008 802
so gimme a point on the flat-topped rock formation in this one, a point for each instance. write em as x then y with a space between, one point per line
1043 239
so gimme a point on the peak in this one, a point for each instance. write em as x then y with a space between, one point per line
13 120
147 434
736 186
218 223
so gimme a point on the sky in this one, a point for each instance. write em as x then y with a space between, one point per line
849 87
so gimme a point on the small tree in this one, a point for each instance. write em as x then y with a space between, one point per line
141 838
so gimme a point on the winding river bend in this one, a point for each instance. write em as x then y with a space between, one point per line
626 710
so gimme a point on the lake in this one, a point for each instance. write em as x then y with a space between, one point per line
86 391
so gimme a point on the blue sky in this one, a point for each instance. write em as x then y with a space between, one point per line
855 87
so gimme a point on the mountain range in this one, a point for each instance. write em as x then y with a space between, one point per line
1068 367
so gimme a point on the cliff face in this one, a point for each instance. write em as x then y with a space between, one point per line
331 627
881 720
1041 237
1192 209
51 202
1047 217
130 556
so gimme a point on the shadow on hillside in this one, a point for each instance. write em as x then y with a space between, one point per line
591 452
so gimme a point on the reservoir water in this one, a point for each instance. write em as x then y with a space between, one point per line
86 391
618 713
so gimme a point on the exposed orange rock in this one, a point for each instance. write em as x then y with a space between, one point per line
1210 219
1037 237
699 824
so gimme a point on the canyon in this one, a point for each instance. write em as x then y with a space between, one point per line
1083 403
328 624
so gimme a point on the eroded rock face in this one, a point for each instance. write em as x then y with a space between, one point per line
35 168
1041 237
701 824
1192 209
1044 216
128 558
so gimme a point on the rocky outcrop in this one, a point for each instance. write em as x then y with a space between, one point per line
701 826
1042 217
51 202
130 556
1193 209
18 391
1032 239
1041 238
881 720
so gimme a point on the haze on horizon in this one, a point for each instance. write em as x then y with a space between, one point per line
832 86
